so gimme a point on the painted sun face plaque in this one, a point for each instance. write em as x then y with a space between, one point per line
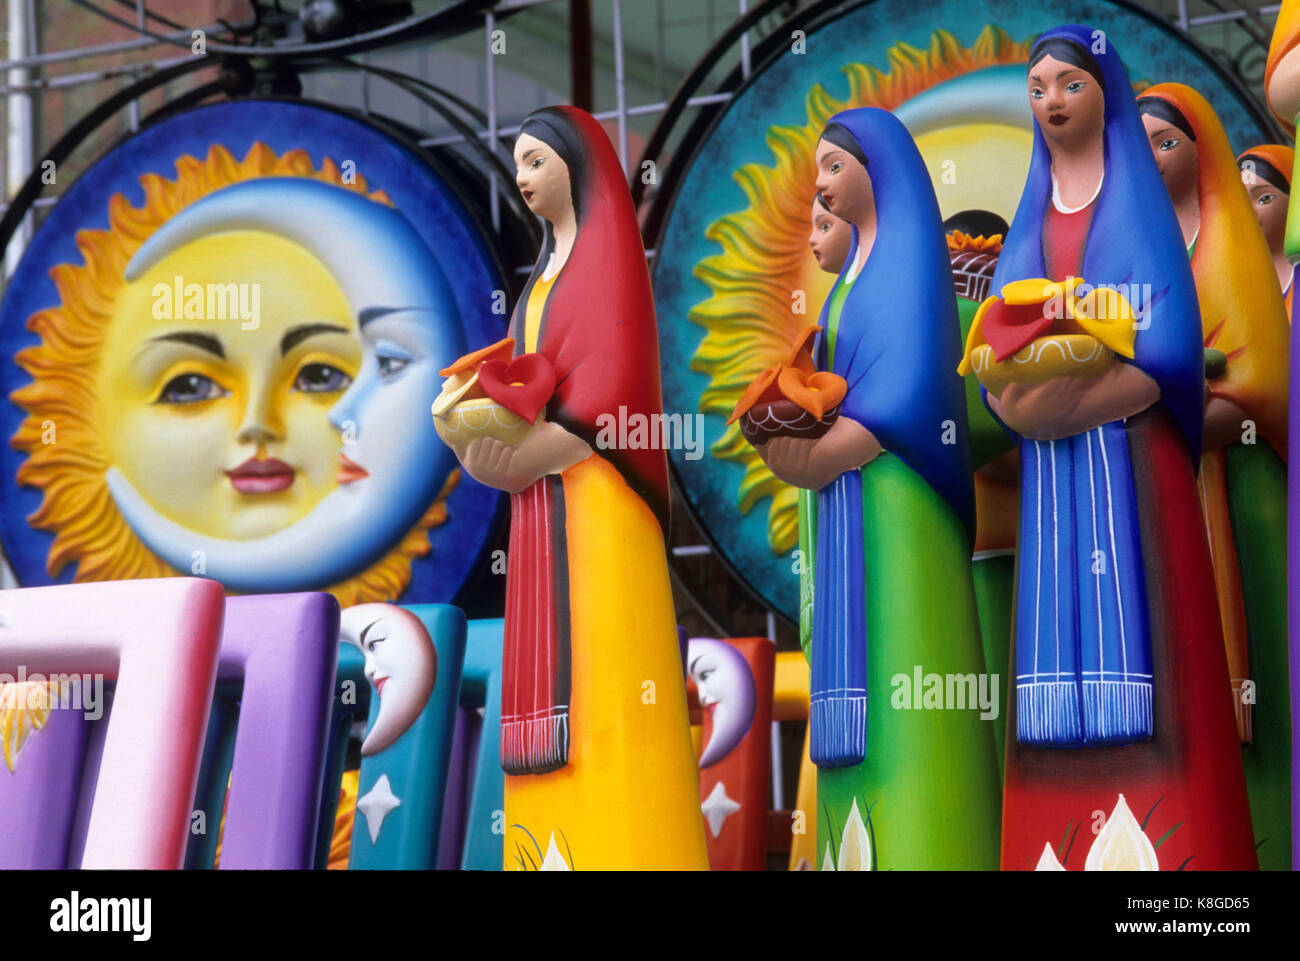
735 277
220 352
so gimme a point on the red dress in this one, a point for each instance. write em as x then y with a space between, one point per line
1184 786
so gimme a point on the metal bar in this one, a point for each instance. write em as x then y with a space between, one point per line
778 768
692 550
701 101
1209 19
620 84
20 150
494 185
744 43
507 5
581 89
105 49
365 83
1182 15
95 76
47 201
133 111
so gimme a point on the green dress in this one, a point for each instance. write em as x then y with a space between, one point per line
1256 486
994 572
927 794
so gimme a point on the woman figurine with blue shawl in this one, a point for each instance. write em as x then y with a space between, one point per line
1093 355
872 417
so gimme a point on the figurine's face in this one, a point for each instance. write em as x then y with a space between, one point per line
542 178
830 239
1269 204
401 665
1175 154
223 429
844 183
1067 102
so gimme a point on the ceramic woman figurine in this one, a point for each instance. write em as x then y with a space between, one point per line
1243 478
595 736
1282 86
830 238
899 786
1120 704
1266 172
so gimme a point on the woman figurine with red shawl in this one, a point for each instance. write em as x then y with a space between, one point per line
595 737
1093 354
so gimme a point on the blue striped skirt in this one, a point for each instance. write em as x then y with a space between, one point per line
1083 641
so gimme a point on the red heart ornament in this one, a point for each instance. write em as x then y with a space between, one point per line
522 386
1009 328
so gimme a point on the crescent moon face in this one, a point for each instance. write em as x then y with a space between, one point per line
401 665
409 329
727 694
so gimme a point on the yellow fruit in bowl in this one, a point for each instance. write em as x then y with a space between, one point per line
1056 355
478 417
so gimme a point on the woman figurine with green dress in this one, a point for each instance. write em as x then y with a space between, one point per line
881 435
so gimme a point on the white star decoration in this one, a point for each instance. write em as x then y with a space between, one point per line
378 803
718 807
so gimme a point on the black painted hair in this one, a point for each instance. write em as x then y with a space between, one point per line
1265 171
1066 51
839 135
1164 110
976 223
822 202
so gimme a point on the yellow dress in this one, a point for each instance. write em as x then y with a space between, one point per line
628 798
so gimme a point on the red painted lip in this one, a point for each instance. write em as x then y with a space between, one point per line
350 471
255 476
528 195
1057 119
379 685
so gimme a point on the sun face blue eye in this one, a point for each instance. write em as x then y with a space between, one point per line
321 379
1036 93
1169 143
190 389
1075 86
